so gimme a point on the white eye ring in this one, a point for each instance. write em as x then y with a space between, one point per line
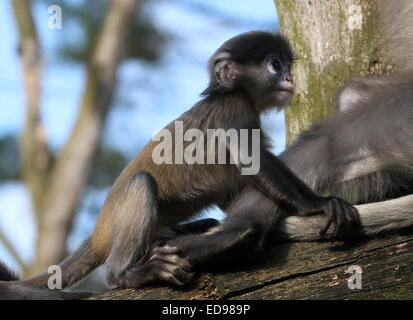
274 66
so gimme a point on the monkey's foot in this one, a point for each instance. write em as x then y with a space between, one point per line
169 266
164 265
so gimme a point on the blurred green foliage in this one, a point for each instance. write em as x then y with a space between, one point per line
9 160
146 41
82 20
107 165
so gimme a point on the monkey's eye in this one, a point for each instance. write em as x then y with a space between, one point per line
274 66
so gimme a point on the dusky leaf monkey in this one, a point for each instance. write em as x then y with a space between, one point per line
363 153
249 74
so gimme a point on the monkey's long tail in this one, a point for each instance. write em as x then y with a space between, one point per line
376 218
73 268
6 274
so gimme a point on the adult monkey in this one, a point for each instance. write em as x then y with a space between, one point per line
363 153
250 74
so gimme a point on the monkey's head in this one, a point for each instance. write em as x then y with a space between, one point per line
256 64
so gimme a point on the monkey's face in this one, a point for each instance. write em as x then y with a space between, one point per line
256 64
269 83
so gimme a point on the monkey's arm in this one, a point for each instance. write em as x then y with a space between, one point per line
276 181
376 218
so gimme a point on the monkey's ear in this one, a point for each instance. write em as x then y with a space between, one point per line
226 71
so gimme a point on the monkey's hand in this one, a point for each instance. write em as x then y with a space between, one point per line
164 265
344 216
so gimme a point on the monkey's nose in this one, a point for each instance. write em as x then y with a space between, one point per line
288 78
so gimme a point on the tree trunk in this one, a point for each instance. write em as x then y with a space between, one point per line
333 40
34 153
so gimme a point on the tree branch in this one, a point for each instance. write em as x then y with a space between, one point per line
310 270
71 168
34 152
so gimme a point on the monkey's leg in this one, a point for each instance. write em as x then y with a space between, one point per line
251 217
165 263
133 235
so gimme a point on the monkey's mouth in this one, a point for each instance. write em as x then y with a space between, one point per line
286 89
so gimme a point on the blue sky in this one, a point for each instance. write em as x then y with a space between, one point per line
143 107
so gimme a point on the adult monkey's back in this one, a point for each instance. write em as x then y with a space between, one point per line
363 153
249 74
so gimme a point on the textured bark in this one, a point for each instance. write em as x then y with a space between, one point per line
333 40
303 271
396 34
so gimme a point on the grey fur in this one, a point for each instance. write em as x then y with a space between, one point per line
376 218
364 153
135 231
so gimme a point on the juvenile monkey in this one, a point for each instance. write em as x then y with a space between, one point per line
249 74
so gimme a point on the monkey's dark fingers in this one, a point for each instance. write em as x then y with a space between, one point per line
335 216
328 211
342 223
170 255
166 265
355 218
172 273
174 260
346 217
165 250
326 226
157 269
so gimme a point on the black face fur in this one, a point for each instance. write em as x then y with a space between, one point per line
256 64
